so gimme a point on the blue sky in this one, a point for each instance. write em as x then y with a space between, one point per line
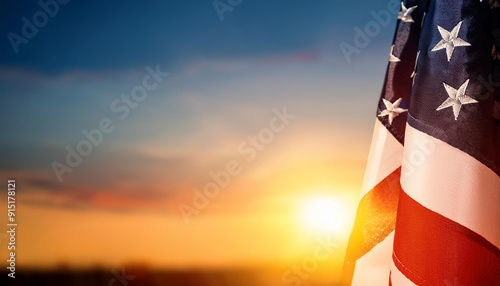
96 35
264 54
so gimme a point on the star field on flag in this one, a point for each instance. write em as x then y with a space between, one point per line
429 211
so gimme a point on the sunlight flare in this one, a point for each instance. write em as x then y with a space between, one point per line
324 214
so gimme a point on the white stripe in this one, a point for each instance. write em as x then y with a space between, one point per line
373 267
386 155
452 183
398 278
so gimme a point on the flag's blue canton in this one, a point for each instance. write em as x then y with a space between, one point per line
398 79
447 76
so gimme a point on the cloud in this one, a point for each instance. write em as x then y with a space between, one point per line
22 76
36 179
243 63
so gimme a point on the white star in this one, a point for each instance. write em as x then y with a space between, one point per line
450 40
405 13
392 57
456 98
392 109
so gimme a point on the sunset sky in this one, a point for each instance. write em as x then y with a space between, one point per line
121 203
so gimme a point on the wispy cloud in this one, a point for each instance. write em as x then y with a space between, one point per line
32 76
244 63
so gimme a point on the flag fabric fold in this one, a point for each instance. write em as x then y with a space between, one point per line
430 207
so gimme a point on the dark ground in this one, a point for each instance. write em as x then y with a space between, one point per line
138 277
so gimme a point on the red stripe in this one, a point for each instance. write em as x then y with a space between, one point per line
375 220
430 249
390 281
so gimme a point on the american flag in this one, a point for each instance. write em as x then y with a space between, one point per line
430 207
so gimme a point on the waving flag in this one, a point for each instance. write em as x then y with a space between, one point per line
430 207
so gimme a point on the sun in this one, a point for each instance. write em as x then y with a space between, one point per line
324 214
